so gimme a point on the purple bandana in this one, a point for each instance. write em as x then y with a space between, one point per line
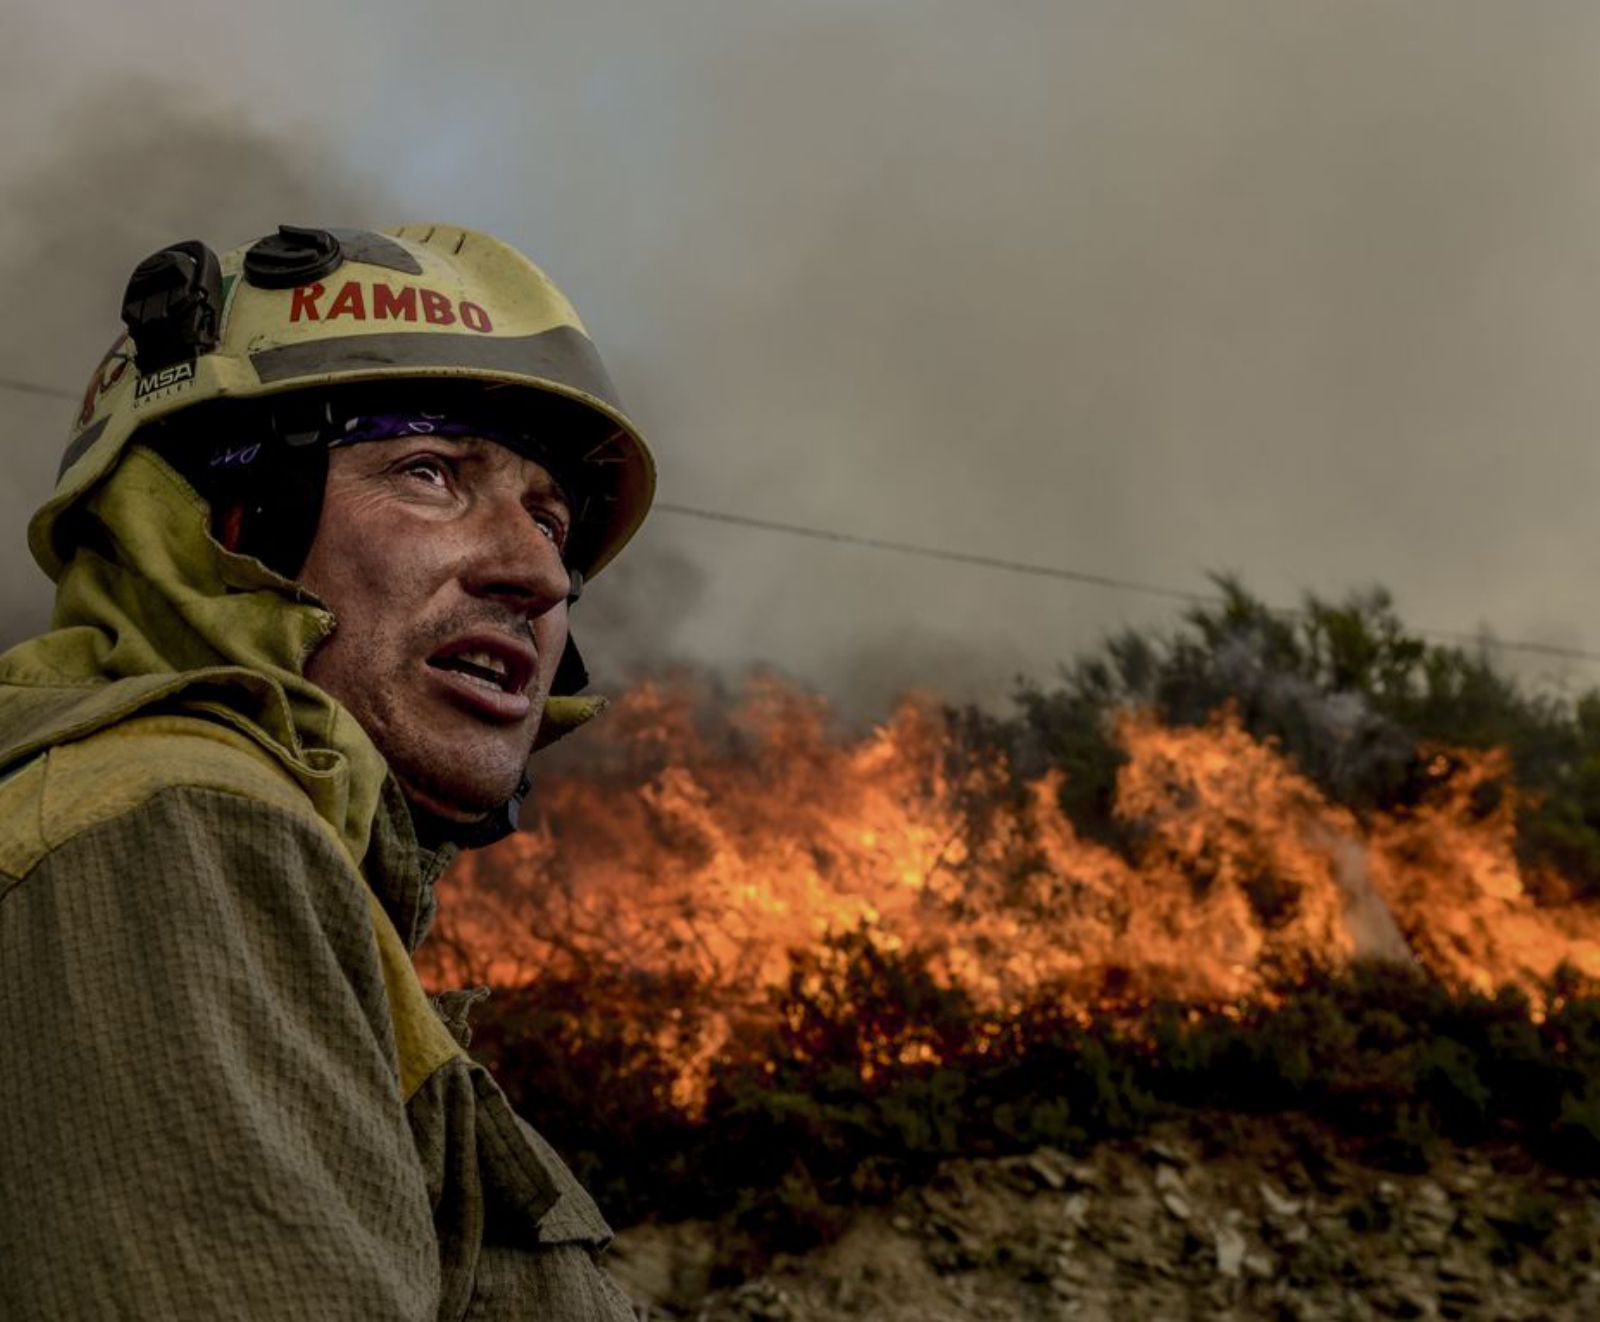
392 426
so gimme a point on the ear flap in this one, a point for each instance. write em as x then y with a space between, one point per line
564 715
572 676
564 712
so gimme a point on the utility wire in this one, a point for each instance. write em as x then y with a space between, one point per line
999 563
1078 576
34 388
939 553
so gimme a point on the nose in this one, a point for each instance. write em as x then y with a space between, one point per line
511 559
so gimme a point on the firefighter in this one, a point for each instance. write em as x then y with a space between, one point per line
322 516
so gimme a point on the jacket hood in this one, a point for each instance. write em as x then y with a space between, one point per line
153 614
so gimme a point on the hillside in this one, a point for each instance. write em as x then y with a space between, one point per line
1217 1218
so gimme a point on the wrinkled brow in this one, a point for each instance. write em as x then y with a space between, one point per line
479 447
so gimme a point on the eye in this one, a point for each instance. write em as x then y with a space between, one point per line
430 469
550 525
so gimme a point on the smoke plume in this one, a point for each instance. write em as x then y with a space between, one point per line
1298 291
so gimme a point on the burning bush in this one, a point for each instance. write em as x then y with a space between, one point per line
1315 866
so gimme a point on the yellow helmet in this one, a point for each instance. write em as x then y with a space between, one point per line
311 309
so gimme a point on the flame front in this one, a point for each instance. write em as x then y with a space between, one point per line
716 854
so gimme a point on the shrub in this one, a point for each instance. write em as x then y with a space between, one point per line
796 1132
1353 698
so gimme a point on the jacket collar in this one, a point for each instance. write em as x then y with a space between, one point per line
403 870
150 611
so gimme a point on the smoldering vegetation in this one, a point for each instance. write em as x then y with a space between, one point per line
870 1062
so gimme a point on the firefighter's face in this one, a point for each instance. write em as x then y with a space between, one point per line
441 562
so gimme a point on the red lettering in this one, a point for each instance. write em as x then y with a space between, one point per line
349 303
305 303
475 318
392 306
436 308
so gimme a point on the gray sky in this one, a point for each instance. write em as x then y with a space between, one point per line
1307 291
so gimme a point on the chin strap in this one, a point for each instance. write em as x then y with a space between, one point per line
434 830
504 818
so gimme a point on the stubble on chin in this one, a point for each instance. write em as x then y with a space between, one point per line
454 768
457 771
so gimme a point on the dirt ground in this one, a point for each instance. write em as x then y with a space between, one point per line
1258 1223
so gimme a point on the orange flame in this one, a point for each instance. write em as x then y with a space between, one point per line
712 851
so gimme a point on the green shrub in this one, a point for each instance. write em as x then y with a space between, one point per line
1449 1087
1354 699
1575 1137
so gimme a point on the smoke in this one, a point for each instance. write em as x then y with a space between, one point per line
1341 731
630 629
1138 290
131 169
1368 919
118 185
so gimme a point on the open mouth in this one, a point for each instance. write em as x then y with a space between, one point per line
488 665
480 667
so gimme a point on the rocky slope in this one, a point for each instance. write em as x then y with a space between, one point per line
1233 1220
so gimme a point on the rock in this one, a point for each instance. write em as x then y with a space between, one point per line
1430 1200
1429 1216
1230 1247
1157 1152
1239 1236
668 1266
1069 1268
1277 1204
1076 1209
1259 1265
1174 1197
758 1301
1403 1301
1084 1176
1168 1180
1044 1169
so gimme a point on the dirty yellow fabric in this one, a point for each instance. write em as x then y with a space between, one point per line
223 1092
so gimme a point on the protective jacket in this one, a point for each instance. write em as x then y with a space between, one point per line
223 1092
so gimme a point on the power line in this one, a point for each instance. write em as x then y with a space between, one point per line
1000 563
1079 576
1507 645
940 553
34 388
